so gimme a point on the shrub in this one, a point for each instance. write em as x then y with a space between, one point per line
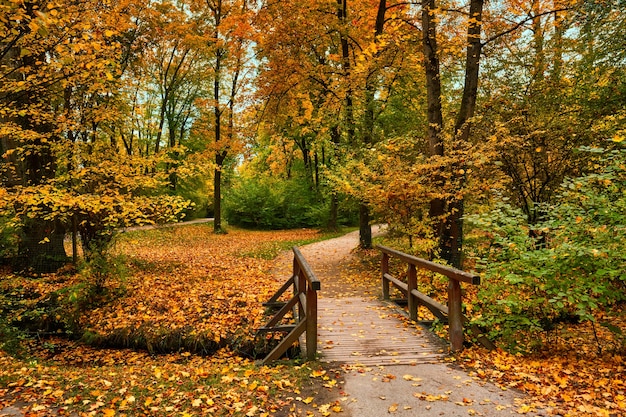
573 266
271 204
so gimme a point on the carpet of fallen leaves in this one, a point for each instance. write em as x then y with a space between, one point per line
187 291
191 289
568 378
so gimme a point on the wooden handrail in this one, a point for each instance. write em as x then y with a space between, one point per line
453 311
303 303
313 282
449 272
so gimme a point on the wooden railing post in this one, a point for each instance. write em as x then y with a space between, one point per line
301 291
412 285
311 323
455 315
385 270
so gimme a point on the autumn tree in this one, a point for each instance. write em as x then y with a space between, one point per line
226 35
62 64
553 94
45 52
343 72
302 91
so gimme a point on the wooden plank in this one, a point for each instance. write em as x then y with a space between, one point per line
439 310
286 343
455 316
357 331
453 273
411 286
281 313
397 283
311 324
280 292
284 329
274 305
384 271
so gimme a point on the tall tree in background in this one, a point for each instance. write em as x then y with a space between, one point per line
227 34
557 87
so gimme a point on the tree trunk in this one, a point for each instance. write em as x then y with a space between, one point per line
333 215
217 198
365 229
41 242
453 236
41 248
434 111
449 217
219 155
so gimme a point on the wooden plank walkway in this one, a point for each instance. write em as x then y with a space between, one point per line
353 330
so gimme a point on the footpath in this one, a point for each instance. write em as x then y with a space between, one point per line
388 368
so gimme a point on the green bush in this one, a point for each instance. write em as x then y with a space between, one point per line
569 268
9 237
272 204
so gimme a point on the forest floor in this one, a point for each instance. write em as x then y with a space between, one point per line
186 290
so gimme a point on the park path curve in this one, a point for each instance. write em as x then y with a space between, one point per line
388 367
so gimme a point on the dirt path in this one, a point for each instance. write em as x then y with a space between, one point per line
375 387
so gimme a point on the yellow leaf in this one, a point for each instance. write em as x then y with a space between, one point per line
108 412
318 373
324 409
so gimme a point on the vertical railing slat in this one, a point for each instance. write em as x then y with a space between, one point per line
412 285
385 270
455 315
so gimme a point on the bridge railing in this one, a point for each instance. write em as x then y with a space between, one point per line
452 312
303 304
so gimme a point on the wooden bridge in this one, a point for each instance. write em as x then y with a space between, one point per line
365 331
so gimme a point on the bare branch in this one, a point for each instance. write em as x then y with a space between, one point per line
521 23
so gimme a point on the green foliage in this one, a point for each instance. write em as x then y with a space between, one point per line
267 203
9 237
100 269
568 267
10 338
55 304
